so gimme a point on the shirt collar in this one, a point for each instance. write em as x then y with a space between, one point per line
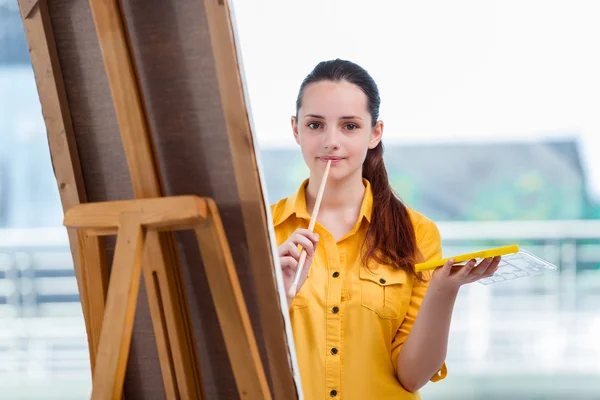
296 204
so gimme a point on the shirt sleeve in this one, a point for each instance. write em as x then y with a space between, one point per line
429 243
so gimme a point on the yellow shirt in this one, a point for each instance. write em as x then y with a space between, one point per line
349 324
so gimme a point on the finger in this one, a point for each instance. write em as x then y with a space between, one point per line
447 268
292 250
480 268
464 272
490 269
312 236
492 262
284 249
309 256
288 271
477 272
493 267
288 262
496 261
306 243
489 273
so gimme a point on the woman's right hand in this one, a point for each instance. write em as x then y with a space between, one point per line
289 256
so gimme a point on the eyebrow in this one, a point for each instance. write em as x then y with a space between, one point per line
321 117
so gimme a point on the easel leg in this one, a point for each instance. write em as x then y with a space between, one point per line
94 282
231 307
117 326
177 357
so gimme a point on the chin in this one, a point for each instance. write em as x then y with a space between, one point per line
338 174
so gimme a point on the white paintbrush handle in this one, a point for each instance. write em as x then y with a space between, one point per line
311 227
301 261
313 218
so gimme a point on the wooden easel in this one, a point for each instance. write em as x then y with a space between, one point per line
137 224
144 226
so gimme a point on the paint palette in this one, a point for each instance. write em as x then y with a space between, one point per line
518 265
514 264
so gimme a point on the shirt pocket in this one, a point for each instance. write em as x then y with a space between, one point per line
385 292
298 302
301 298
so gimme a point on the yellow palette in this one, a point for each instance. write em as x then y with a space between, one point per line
498 251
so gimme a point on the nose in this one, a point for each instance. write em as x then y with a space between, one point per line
331 140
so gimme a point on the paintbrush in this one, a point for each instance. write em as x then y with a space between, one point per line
311 227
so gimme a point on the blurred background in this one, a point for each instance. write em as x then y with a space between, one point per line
491 129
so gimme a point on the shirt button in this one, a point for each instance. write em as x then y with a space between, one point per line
382 281
336 274
334 351
333 393
335 310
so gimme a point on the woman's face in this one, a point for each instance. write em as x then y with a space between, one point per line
334 124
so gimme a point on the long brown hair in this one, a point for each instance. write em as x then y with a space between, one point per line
390 237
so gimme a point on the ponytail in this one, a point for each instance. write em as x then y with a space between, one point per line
390 236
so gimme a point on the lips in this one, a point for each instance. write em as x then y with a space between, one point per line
333 159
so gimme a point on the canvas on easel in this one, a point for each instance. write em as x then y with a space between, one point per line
144 105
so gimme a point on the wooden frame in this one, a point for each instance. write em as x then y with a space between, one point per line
246 172
134 221
65 158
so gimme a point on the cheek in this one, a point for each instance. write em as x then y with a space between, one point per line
309 145
358 147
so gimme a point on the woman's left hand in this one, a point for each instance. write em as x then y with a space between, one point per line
455 277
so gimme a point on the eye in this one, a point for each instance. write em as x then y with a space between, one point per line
314 125
351 126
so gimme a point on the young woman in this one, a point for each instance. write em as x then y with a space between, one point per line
366 326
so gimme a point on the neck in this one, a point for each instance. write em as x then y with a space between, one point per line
339 194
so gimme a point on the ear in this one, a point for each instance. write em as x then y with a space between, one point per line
376 135
295 129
